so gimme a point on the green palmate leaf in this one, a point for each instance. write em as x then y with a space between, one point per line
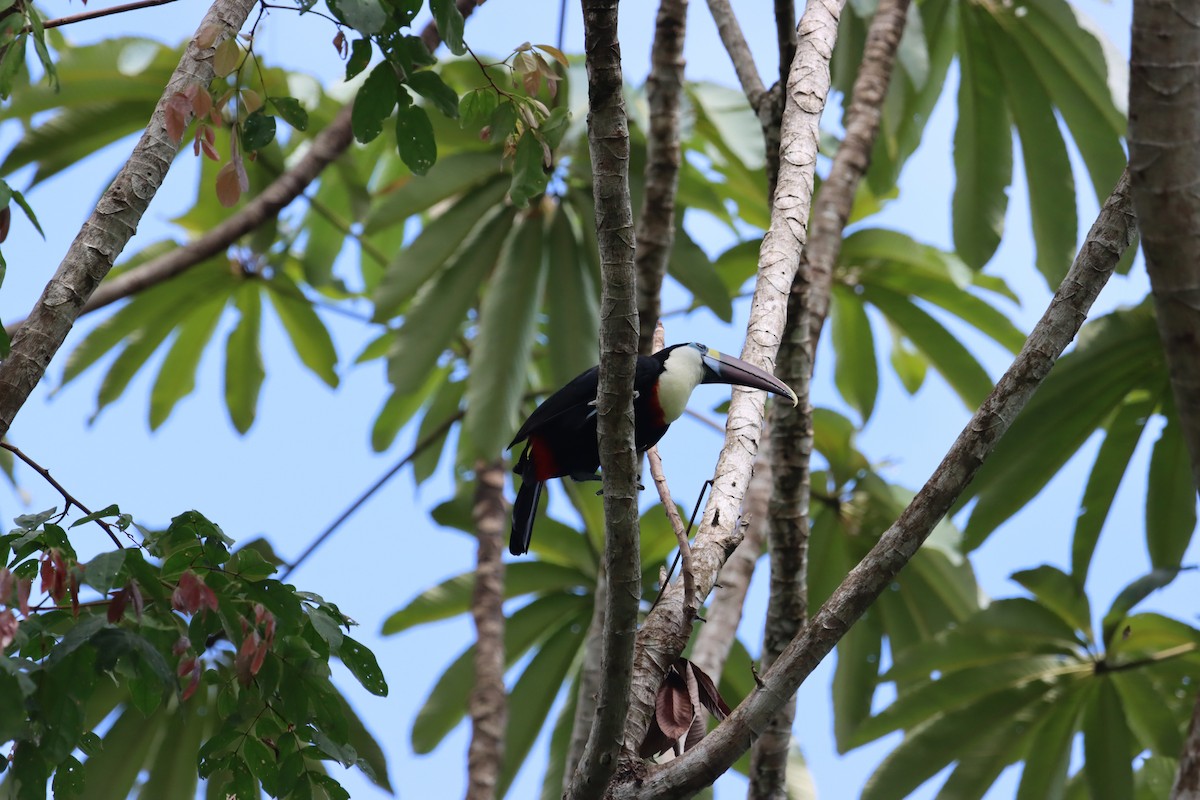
944 351
374 102
910 365
1149 714
572 304
439 239
415 139
454 174
507 323
560 742
738 264
177 377
857 674
308 335
1061 593
1047 168
442 410
929 747
244 371
548 668
961 690
1088 104
430 86
527 627
1115 355
400 407
71 135
453 597
1170 498
691 267
173 768
1122 433
980 764
1045 771
529 176
1133 594
439 309
982 146
1107 745
856 372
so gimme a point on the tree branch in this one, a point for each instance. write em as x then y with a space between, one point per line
68 499
656 224
660 640
791 428
488 704
591 675
1110 236
785 35
608 142
326 147
739 52
97 13
110 226
1164 95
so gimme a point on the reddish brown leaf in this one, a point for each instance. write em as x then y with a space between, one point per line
228 190
672 707
116 606
206 36
209 150
181 646
178 109
196 145
6 584
532 81
339 44
710 697
193 684
260 655
202 103
8 627
24 586
239 167
185 666
246 656
252 100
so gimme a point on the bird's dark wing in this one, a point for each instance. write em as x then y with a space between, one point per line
574 398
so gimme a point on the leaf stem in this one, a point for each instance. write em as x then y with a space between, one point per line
68 498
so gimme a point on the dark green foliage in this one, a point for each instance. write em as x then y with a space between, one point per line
197 651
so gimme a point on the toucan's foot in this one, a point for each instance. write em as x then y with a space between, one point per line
600 492
584 477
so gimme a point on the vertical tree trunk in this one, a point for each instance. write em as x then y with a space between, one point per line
488 704
608 141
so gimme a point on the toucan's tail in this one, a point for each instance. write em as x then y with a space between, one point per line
524 511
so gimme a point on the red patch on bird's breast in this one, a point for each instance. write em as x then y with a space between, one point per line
658 417
545 465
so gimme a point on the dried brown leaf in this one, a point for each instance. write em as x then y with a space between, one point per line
228 188
8 628
207 35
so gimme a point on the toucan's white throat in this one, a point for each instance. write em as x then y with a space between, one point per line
682 372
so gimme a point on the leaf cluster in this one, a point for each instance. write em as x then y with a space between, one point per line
191 649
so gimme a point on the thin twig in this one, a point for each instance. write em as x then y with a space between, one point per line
418 448
100 12
739 52
68 498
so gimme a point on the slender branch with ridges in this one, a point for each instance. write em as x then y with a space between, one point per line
656 223
608 142
1110 236
791 428
738 50
111 225
660 641
488 703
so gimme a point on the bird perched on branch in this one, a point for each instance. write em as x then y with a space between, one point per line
561 432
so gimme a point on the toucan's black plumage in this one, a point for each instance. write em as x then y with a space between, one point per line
561 432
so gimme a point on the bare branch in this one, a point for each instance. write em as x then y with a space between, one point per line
71 19
660 640
1110 236
716 635
110 226
739 52
608 141
1164 95
68 499
656 223
488 704
791 428
785 35
672 511
591 675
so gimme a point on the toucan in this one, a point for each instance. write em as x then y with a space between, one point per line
561 432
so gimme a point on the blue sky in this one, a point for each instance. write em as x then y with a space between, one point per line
308 455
